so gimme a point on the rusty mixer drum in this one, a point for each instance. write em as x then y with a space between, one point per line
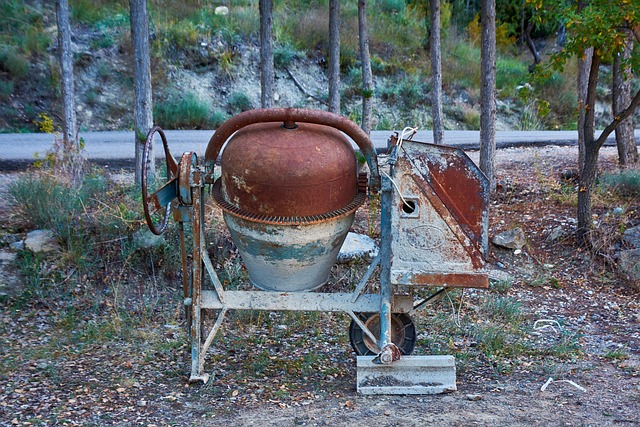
289 194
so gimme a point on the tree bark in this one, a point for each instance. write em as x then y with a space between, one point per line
143 110
584 64
334 56
621 94
69 126
365 59
488 92
266 53
68 160
436 74
588 169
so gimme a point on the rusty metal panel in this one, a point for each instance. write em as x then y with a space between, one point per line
439 218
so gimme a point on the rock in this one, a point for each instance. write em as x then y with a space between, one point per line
631 237
474 397
222 10
9 279
41 241
17 246
512 239
357 246
629 264
555 234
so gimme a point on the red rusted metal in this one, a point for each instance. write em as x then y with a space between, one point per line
289 116
440 218
163 197
447 280
303 170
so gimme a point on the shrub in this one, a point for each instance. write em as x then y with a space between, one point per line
625 183
238 102
13 62
182 112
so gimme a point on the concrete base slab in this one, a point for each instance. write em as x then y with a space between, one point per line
409 375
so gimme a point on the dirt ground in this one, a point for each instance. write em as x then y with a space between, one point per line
132 380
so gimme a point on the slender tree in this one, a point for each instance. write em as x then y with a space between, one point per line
365 59
68 159
602 26
621 97
334 56
69 124
436 74
488 91
143 109
266 53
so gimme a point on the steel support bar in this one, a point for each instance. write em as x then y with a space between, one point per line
290 301
385 262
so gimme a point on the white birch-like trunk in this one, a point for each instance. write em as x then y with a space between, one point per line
143 109
266 53
436 75
334 56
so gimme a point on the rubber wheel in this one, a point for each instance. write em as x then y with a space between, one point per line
403 333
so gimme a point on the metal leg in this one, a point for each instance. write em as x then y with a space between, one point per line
390 351
198 270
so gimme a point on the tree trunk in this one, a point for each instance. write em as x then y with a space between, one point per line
584 64
488 92
621 94
334 56
69 131
68 163
266 53
588 169
143 111
436 74
365 59
532 46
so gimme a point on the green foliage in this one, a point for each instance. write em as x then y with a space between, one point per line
184 111
13 62
407 92
625 183
92 12
239 102
284 55
6 88
601 24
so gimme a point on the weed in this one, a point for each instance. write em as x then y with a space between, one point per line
13 62
284 55
625 183
239 102
407 93
503 309
618 354
184 111
6 89
501 286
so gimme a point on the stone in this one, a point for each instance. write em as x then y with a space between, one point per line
41 241
555 234
17 246
629 264
631 236
357 246
511 239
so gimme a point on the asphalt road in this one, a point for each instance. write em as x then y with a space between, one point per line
18 150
